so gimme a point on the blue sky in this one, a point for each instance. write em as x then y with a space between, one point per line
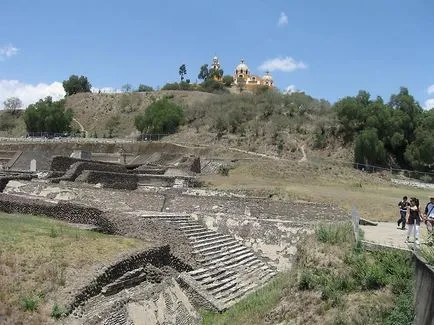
329 49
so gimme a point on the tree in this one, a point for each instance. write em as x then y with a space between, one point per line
112 125
7 120
163 116
144 88
76 84
369 149
48 116
218 73
182 71
419 154
228 80
126 88
203 73
12 104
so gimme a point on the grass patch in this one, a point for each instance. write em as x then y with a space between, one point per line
57 311
333 282
40 259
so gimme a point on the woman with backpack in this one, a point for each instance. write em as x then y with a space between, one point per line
413 217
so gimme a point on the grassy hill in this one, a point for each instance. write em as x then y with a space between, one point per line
93 111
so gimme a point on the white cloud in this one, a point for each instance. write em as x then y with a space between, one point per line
291 89
283 20
286 64
29 93
7 51
430 90
429 103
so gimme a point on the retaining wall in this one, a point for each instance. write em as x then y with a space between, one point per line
108 179
63 163
65 211
424 291
158 257
78 167
4 180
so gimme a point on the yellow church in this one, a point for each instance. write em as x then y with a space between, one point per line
242 76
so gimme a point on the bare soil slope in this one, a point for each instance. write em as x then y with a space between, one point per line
93 111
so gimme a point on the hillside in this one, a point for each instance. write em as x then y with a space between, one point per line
93 111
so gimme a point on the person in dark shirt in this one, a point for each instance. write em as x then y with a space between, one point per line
402 211
413 220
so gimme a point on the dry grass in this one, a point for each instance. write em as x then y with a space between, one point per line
374 196
42 259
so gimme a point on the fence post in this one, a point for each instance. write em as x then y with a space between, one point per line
356 220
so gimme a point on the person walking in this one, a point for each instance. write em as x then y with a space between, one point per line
429 210
403 205
413 217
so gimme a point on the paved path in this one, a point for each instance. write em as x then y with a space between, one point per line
387 233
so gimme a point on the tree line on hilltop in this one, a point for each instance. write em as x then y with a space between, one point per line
397 133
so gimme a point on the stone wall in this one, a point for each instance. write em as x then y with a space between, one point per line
78 167
64 211
166 181
109 179
158 257
424 292
63 163
4 180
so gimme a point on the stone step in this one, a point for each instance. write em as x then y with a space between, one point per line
207 250
208 243
183 222
239 260
227 286
217 284
223 252
166 217
242 281
227 258
217 278
214 271
200 234
250 282
191 229
210 238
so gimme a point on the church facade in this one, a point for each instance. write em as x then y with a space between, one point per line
242 76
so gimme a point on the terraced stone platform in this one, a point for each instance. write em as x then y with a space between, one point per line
229 270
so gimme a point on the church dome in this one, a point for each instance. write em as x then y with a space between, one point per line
267 77
242 66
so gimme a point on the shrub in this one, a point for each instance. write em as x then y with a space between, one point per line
306 281
334 234
163 116
213 86
57 311
29 303
223 170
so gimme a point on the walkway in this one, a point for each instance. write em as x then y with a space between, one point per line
387 233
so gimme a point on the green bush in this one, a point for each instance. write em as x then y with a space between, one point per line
306 281
48 116
29 303
334 234
163 116
57 311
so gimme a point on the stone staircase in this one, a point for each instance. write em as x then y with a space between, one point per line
229 270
